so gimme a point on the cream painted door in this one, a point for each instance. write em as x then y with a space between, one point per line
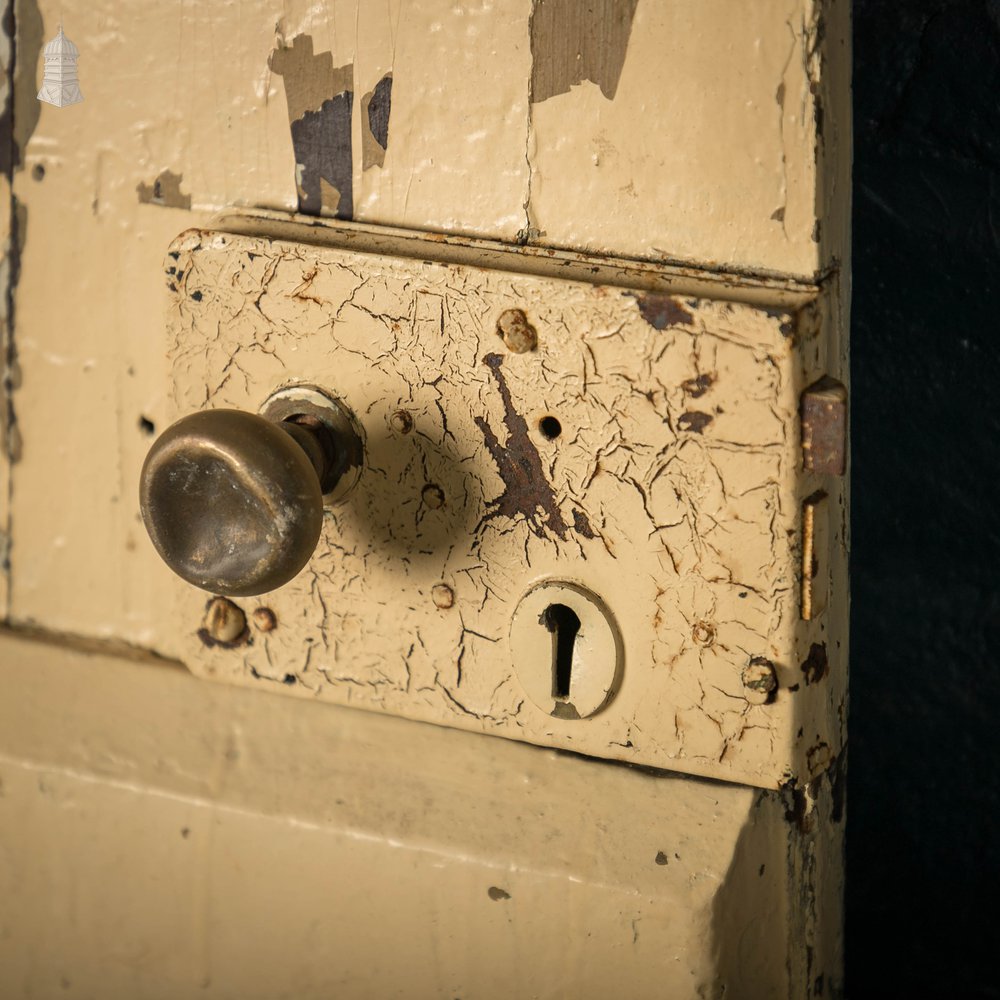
666 182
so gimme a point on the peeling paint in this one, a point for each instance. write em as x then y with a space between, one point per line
694 420
324 159
320 100
662 311
816 665
165 190
697 387
375 108
572 42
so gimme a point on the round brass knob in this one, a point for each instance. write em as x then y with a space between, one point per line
233 501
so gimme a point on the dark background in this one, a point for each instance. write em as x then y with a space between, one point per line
922 852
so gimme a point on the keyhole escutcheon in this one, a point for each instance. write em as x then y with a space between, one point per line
566 650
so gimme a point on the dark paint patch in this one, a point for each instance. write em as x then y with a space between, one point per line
787 326
796 809
21 108
572 42
698 386
324 159
816 665
661 858
165 191
496 893
693 420
375 108
10 435
661 311
581 524
526 487
320 99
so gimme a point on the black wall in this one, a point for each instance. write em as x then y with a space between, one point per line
923 887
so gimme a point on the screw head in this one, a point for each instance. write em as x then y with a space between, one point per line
516 332
401 421
703 633
265 620
433 496
224 622
760 681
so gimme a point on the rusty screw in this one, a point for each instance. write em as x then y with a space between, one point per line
433 496
265 619
759 680
517 333
442 595
224 622
703 633
401 421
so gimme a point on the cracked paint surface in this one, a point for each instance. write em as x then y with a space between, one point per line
687 529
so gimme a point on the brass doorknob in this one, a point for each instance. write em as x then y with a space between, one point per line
233 501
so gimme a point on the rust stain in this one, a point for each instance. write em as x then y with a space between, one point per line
320 100
527 489
661 311
165 190
824 427
694 420
375 108
572 42
816 665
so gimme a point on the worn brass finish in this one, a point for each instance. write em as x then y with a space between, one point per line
233 501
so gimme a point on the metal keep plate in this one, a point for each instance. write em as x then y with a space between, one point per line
645 452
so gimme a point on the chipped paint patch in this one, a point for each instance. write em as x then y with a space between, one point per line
165 190
694 420
375 108
320 100
323 158
573 42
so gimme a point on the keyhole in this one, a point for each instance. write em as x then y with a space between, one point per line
564 625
